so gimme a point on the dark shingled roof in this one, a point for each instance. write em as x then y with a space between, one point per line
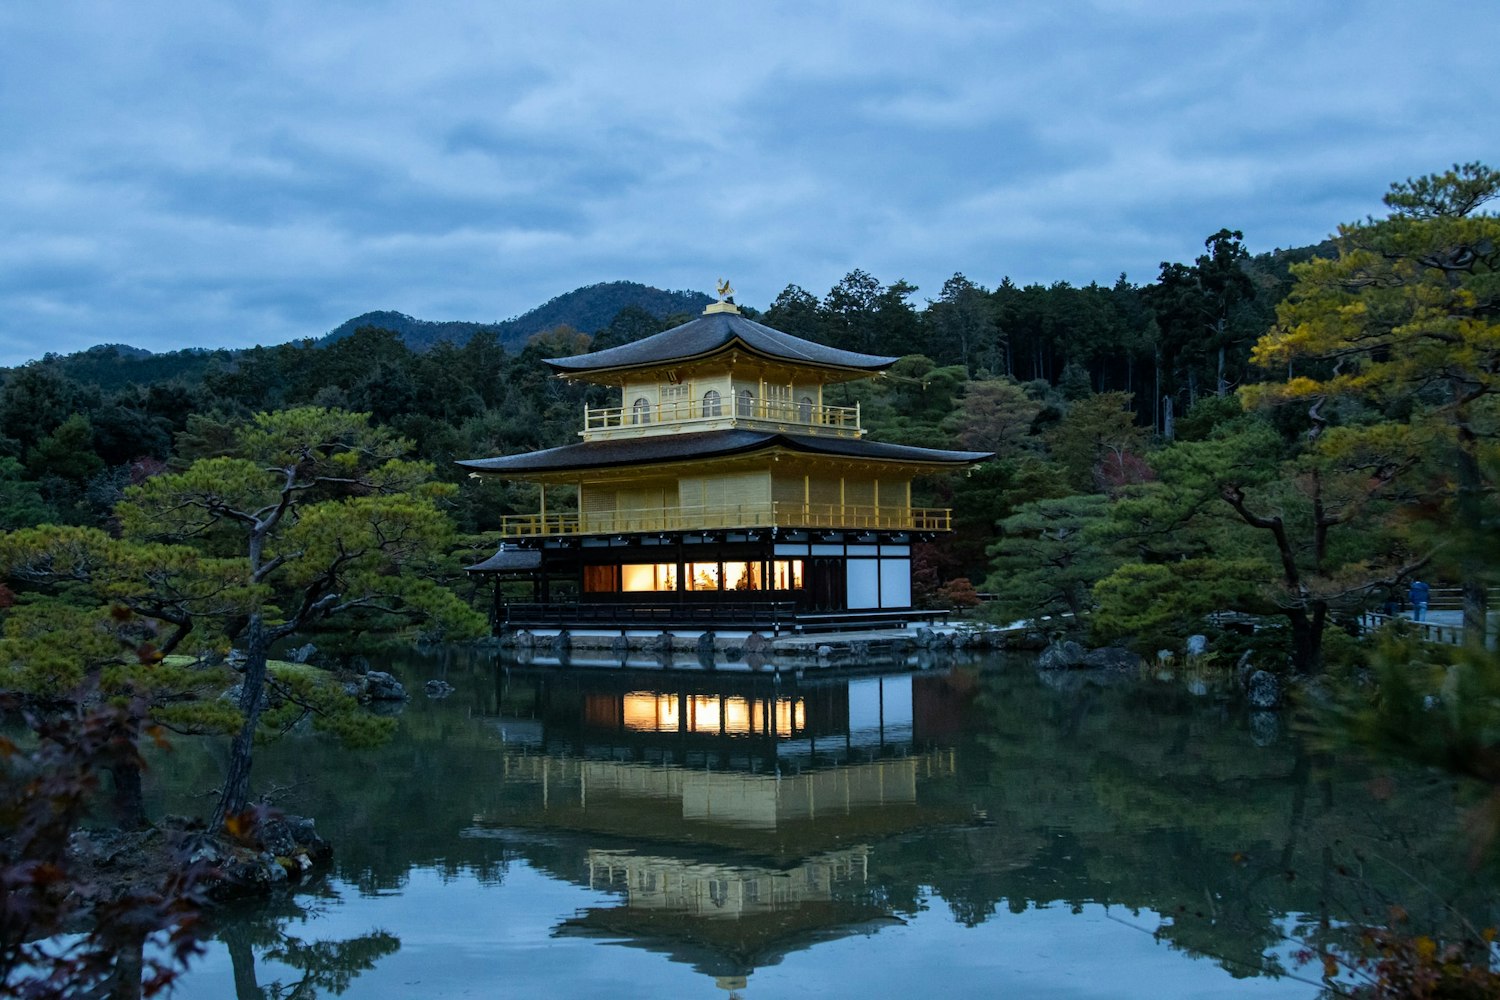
508 560
710 444
714 332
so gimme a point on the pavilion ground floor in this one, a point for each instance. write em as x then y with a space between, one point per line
772 580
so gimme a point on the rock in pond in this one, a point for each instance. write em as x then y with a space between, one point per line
1061 656
1263 691
381 686
1265 728
1112 658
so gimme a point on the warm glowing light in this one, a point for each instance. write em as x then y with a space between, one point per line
703 576
742 576
785 574
791 714
737 716
734 715
647 712
648 576
703 714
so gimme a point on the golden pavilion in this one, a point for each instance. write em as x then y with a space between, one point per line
722 491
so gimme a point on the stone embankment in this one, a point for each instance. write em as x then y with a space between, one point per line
752 646
279 851
1063 662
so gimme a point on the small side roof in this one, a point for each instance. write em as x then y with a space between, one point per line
709 444
508 560
710 334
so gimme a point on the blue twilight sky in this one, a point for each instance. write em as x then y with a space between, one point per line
225 174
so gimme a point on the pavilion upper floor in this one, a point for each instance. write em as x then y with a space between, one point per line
720 371
751 397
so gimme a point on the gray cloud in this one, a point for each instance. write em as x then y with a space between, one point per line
229 174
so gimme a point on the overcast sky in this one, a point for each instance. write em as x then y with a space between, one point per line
219 174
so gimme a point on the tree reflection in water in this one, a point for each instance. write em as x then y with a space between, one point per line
696 807
258 931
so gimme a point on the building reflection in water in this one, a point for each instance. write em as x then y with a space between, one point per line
736 816
655 882
727 715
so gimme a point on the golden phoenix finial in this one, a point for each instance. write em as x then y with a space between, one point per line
725 289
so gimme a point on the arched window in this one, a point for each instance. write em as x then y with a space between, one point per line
805 409
640 411
711 405
744 403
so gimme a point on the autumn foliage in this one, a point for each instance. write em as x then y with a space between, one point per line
129 940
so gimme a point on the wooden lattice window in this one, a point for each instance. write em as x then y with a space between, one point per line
778 402
601 579
676 402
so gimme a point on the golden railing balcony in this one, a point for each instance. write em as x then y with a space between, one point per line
730 516
606 422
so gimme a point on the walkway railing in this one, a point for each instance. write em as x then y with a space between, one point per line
1443 632
774 616
729 516
614 421
771 615
1452 598
1444 619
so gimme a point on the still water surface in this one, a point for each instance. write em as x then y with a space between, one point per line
966 829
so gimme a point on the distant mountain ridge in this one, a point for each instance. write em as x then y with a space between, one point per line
587 309
418 334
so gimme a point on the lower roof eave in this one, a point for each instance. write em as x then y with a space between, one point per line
571 460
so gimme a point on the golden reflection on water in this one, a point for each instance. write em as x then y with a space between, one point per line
735 715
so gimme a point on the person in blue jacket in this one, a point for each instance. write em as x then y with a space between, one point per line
1418 593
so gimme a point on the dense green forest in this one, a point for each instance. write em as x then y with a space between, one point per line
1145 444
77 428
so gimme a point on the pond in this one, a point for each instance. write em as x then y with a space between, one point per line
973 827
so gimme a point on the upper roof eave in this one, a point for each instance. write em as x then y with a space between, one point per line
712 334
594 373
